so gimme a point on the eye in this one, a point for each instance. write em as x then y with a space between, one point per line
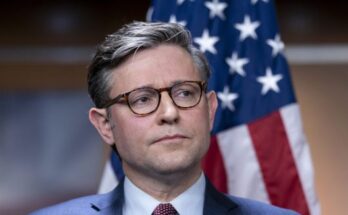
184 91
142 98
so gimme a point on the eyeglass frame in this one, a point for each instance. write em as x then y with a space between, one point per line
116 100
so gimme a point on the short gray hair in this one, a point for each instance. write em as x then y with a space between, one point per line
128 40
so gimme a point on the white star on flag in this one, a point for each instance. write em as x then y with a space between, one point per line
255 1
172 19
227 98
179 2
206 42
276 44
216 8
236 64
247 28
269 81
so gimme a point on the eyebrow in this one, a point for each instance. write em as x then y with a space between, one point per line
151 85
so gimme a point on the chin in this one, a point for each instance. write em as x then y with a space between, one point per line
182 166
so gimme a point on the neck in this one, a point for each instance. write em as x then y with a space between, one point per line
164 187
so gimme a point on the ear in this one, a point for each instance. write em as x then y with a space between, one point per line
212 106
99 119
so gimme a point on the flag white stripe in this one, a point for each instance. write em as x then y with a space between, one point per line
292 122
239 155
108 180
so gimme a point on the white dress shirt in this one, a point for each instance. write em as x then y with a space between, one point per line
190 202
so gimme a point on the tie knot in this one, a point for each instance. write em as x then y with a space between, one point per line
165 209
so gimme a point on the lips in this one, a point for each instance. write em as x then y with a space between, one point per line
170 138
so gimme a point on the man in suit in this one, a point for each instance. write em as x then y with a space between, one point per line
152 107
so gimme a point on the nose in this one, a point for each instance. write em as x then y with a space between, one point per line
167 111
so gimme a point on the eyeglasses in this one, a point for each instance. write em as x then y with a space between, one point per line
145 100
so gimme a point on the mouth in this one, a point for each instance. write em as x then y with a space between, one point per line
170 138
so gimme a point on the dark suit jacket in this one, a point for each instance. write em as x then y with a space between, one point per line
111 204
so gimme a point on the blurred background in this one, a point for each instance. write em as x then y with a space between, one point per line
49 152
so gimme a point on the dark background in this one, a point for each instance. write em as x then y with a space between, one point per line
50 24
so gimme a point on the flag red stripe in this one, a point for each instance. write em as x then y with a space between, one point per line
214 167
277 163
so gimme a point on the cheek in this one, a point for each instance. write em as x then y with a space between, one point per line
198 122
129 133
204 118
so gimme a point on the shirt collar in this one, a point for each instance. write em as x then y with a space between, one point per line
189 202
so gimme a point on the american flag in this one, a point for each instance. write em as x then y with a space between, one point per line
258 149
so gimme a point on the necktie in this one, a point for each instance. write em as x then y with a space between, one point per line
165 209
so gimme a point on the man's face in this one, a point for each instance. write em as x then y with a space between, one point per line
170 140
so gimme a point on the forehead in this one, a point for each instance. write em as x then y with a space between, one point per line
157 67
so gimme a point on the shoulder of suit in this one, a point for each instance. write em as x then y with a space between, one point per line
82 205
249 206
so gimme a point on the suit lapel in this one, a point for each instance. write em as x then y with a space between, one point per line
217 203
110 203
214 202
